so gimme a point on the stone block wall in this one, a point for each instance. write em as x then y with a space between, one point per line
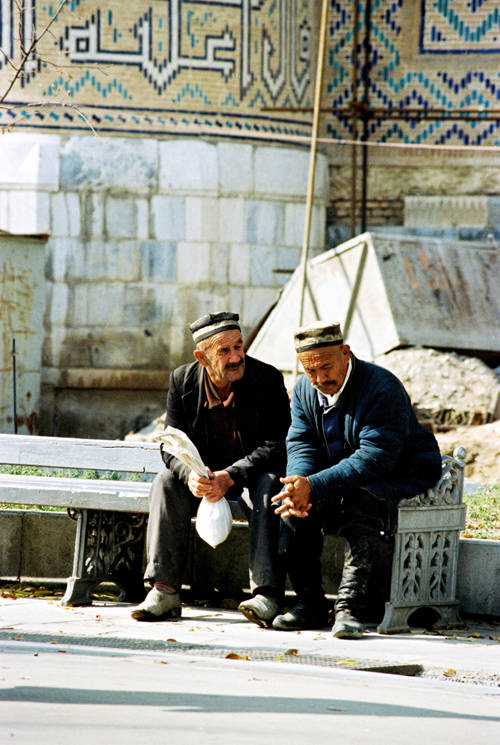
146 236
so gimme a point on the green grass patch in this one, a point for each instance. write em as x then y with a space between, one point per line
67 474
483 513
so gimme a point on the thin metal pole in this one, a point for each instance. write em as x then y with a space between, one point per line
312 156
366 99
14 385
354 105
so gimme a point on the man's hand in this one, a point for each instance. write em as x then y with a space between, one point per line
213 488
294 500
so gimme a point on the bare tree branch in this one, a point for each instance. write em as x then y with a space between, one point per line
25 53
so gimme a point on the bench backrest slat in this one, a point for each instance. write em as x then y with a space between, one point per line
69 452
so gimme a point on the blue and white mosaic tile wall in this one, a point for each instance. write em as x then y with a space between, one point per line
221 66
435 54
158 67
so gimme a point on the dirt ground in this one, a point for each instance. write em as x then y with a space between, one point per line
457 394
482 444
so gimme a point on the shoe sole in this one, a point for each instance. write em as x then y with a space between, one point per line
347 634
279 627
254 618
144 615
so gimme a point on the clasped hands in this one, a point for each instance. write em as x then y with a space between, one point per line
295 499
212 488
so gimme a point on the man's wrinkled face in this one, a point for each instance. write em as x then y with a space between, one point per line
223 357
326 367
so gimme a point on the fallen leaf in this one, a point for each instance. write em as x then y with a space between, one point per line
161 662
476 635
233 656
450 673
229 604
292 652
347 662
61 651
171 640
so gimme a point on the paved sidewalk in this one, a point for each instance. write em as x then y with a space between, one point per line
470 655
94 675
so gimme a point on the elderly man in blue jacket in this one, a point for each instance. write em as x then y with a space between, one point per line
354 449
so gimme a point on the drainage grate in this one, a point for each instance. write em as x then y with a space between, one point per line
209 650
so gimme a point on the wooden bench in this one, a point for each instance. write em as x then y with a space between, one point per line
112 519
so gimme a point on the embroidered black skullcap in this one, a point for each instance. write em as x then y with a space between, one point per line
213 323
318 334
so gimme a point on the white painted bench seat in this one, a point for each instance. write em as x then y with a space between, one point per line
120 496
111 514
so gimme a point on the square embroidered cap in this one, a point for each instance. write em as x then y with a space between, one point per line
317 334
213 323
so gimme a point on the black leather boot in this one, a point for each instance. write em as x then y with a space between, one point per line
352 593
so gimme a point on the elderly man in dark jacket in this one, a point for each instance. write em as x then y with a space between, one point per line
355 448
236 411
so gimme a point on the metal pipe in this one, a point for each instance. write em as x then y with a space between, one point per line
381 113
14 384
366 97
312 164
312 155
354 148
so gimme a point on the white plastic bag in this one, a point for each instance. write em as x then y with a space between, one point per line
214 521
176 442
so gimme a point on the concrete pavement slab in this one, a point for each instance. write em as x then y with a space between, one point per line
468 655
106 697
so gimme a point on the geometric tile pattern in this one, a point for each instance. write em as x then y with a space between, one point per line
221 66
460 26
149 67
420 59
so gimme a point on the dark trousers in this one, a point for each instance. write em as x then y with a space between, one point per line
171 508
359 518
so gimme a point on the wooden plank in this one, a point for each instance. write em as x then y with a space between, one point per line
68 452
121 496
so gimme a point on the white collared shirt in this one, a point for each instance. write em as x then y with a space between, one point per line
332 400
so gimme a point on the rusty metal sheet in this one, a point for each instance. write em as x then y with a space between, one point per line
390 291
22 300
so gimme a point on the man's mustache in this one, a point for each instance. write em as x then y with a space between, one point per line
235 365
319 386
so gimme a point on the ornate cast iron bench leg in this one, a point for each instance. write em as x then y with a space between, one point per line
109 547
424 570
